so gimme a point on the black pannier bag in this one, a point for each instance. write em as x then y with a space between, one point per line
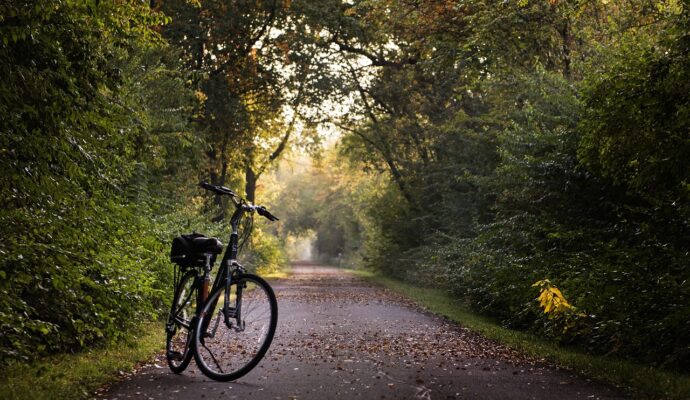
182 251
187 250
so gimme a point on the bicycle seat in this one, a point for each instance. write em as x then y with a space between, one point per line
207 245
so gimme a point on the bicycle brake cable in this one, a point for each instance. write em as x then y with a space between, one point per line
247 232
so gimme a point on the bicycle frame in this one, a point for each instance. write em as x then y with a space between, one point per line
228 267
230 256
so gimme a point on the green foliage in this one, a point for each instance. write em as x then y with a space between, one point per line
637 118
325 199
256 71
77 376
85 137
265 254
555 219
526 141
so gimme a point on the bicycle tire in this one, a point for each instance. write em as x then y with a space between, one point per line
233 351
180 321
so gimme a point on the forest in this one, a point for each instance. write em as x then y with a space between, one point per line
531 157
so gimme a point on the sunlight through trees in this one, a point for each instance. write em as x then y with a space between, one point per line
484 144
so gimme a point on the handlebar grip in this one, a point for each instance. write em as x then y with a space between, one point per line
271 217
217 189
206 186
265 213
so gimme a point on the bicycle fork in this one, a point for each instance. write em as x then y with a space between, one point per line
230 312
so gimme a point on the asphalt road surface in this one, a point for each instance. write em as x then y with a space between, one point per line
339 337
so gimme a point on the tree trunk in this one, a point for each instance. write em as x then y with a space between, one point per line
567 42
250 182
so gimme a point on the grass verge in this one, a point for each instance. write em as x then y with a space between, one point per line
282 273
77 376
642 381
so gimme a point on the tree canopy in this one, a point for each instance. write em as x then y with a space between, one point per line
506 148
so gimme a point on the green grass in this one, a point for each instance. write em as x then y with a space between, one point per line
282 273
642 381
77 376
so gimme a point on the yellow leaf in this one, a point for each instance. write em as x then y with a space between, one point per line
551 299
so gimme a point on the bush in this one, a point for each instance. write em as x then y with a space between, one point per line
81 261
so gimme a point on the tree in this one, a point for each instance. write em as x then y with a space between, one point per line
253 82
501 177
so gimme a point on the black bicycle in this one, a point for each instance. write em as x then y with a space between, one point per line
229 328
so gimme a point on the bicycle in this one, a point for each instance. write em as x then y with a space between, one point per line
229 328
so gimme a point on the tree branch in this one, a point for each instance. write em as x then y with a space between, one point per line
385 150
252 41
262 31
376 60
288 132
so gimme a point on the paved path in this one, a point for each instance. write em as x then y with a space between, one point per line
341 338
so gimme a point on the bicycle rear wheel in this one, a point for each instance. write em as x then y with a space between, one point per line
236 328
180 321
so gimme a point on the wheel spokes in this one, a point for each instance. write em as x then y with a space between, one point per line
236 345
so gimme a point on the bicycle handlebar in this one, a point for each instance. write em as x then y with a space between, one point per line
218 189
265 213
239 201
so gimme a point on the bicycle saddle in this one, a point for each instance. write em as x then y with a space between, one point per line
207 245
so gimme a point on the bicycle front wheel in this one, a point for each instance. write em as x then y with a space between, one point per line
180 321
235 328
